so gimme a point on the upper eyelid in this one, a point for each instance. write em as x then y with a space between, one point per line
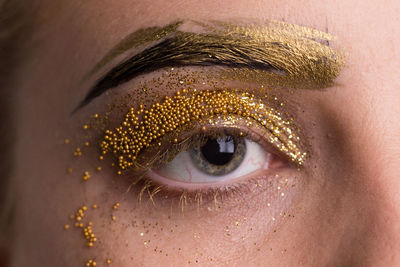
155 125
227 50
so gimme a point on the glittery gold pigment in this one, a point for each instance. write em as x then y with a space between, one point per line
144 128
273 55
286 54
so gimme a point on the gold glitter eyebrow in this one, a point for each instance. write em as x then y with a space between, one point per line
297 56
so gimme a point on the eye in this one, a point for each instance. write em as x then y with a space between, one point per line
216 159
201 140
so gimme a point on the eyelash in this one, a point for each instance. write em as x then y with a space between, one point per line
144 186
269 131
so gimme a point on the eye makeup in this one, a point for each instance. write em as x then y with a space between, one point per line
163 123
230 89
290 55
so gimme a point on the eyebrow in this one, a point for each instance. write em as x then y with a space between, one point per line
299 54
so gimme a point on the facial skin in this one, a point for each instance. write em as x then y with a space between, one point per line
344 205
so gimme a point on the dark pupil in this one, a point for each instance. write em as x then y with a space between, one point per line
219 151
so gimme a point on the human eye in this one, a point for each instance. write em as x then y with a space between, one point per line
203 141
159 136
215 119
216 159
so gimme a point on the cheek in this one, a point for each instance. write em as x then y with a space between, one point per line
142 231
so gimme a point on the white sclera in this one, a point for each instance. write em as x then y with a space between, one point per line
182 168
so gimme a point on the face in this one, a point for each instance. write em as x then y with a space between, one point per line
288 158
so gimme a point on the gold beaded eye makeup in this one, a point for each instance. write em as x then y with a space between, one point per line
273 55
212 126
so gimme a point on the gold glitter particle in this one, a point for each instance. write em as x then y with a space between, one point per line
86 176
67 141
89 236
78 152
86 230
66 227
90 263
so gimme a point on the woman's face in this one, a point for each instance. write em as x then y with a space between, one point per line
340 208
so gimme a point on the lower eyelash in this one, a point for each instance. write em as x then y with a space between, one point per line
212 197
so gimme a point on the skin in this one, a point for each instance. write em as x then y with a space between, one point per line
345 203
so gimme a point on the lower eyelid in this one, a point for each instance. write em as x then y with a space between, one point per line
223 195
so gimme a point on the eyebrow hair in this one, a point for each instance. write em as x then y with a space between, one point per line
297 52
